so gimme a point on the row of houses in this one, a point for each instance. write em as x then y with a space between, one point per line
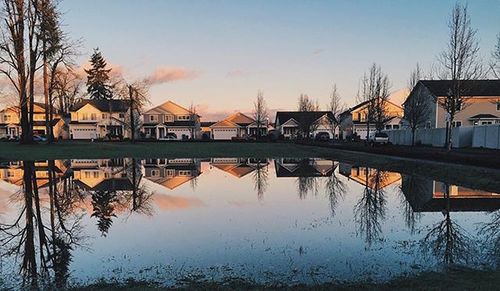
95 119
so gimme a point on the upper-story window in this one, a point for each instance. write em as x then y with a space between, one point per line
122 115
93 116
359 116
498 106
85 116
183 117
6 118
168 118
153 117
104 116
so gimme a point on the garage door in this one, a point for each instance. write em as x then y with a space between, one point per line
224 133
84 133
179 132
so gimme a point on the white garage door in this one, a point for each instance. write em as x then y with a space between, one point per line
179 132
224 133
84 133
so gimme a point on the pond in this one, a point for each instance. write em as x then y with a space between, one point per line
270 221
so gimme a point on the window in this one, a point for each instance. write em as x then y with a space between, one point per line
388 126
7 118
155 173
168 118
486 122
395 126
498 106
359 116
457 123
458 105
151 118
183 117
93 116
85 116
96 175
104 116
122 115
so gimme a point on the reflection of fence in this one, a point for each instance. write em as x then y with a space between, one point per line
486 136
461 136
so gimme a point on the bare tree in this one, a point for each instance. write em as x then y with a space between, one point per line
459 62
260 113
307 104
336 107
495 62
374 91
416 105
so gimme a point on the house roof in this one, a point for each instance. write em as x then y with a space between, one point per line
170 107
104 105
484 115
224 123
302 117
240 119
471 87
207 123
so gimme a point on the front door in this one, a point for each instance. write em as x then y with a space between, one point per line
161 132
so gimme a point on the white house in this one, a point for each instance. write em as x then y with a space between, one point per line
293 124
171 119
99 118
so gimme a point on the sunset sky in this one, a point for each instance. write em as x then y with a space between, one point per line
217 54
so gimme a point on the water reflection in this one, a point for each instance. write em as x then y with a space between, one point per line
48 229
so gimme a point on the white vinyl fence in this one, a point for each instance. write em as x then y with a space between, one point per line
461 136
486 136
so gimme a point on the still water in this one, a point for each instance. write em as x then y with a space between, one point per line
269 221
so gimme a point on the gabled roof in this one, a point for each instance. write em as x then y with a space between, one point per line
224 123
240 119
484 115
302 117
170 107
104 105
471 87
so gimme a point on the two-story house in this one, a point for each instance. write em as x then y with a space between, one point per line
355 119
94 119
10 122
481 104
173 120
171 173
293 124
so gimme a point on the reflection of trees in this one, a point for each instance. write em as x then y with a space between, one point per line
371 207
260 178
141 196
447 240
306 185
491 232
42 237
412 191
103 207
335 189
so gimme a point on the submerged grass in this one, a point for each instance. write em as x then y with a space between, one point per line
456 279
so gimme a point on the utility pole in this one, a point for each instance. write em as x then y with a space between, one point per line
132 120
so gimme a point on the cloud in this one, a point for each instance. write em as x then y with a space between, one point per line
170 74
168 202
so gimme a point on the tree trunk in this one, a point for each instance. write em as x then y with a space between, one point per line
48 120
132 121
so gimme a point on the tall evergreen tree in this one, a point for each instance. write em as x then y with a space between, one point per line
98 86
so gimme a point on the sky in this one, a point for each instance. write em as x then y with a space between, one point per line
217 54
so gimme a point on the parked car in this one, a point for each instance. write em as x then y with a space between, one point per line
322 136
169 136
378 138
39 138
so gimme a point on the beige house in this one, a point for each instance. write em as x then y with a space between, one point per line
355 121
481 106
171 120
171 173
10 119
293 124
101 174
94 119
237 125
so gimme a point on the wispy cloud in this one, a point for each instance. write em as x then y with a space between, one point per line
236 74
170 74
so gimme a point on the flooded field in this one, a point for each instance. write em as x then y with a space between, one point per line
282 221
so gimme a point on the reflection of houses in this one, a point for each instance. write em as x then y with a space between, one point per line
355 119
292 124
372 178
171 173
290 167
237 167
237 125
13 172
171 118
10 120
101 175
425 195
99 118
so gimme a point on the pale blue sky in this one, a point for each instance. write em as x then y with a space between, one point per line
284 47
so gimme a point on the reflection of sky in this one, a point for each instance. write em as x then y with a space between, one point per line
223 223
